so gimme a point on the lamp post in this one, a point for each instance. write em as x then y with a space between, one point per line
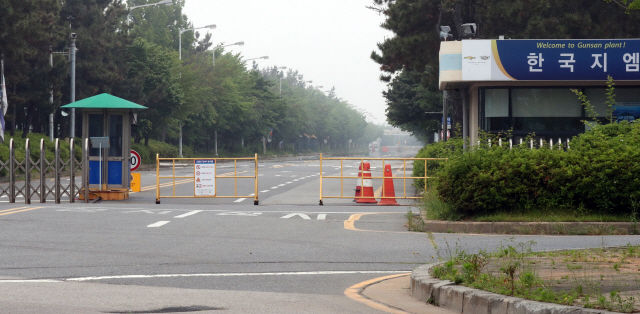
263 57
240 43
281 68
163 2
212 26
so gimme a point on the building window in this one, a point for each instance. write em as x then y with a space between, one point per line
546 109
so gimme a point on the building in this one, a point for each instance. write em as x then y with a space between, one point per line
525 85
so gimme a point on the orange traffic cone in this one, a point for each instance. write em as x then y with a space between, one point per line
358 183
367 185
388 190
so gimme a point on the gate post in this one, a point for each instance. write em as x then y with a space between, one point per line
72 173
12 172
85 170
43 177
56 168
320 180
27 174
255 199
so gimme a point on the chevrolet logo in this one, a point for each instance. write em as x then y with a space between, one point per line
470 57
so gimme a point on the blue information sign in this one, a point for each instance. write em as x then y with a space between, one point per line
579 60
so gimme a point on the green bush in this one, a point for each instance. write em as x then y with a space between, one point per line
449 149
598 174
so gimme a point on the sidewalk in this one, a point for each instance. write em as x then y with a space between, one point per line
395 295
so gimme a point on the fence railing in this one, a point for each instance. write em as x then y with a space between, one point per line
193 178
40 169
531 143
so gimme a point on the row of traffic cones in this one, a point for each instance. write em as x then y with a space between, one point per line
364 186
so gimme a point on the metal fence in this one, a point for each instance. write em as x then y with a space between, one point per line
35 174
404 176
189 179
532 144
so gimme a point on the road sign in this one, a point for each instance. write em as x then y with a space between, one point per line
385 149
448 134
205 177
135 160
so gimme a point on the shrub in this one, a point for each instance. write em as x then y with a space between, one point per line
599 173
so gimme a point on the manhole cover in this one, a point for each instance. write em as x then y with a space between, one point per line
175 309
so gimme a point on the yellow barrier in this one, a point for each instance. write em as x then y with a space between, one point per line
135 182
216 177
362 161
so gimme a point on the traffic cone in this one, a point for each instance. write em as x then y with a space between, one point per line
388 190
367 185
358 183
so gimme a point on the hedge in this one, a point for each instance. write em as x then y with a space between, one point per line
600 173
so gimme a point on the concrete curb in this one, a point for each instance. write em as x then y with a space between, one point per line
466 300
528 227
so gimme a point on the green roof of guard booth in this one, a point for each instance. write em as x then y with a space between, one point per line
104 101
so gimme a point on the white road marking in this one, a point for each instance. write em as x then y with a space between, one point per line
158 224
239 214
289 182
296 180
286 171
277 175
193 212
339 272
260 175
274 187
281 185
265 191
239 200
252 194
322 216
304 216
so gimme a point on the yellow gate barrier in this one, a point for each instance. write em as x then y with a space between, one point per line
205 178
362 170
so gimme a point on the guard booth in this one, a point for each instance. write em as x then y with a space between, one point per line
106 123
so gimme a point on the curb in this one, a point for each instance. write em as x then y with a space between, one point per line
527 227
446 294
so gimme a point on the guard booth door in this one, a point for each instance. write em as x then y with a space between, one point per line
109 166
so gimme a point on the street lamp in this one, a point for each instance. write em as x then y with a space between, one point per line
281 68
163 2
263 57
240 43
212 26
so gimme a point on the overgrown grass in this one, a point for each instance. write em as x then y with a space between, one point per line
597 278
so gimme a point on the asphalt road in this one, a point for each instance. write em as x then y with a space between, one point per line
287 255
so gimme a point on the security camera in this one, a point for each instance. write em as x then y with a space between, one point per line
469 30
444 33
73 36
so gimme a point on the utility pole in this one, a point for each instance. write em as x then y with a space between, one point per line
72 55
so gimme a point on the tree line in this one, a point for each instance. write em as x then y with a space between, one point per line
409 60
133 54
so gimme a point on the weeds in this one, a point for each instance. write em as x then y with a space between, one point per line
595 278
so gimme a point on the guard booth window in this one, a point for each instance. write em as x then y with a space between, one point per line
115 135
95 130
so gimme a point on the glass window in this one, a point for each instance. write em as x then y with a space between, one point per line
546 109
95 130
115 135
496 109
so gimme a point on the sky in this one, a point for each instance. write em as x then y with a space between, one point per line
329 41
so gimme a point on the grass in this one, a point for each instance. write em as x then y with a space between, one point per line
550 216
603 278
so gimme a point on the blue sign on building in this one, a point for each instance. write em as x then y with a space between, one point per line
572 60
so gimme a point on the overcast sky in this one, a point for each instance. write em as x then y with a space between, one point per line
327 41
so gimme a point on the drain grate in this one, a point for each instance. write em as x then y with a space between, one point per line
175 309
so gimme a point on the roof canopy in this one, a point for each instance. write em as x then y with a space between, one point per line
104 101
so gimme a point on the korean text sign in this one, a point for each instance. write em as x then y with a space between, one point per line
205 177
551 60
